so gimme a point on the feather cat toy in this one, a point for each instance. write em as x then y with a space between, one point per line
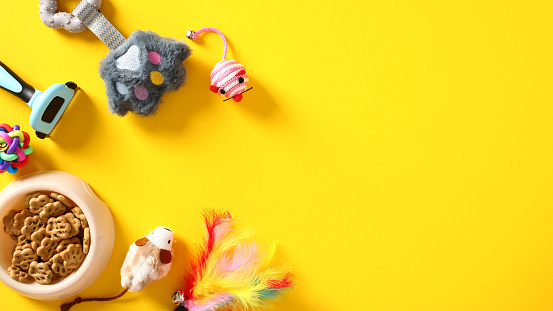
231 272
229 78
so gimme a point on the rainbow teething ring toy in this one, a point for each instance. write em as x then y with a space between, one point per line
14 148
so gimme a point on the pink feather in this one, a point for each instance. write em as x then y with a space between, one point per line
244 257
217 223
235 279
210 305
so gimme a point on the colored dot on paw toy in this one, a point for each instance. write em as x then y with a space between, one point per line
154 57
141 92
121 88
156 77
14 148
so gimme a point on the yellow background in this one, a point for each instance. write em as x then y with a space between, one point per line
399 151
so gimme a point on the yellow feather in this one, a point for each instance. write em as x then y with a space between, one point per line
244 283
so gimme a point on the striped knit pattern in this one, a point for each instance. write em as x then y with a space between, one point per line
225 77
89 15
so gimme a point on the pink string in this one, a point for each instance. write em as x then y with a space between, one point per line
207 29
6 137
10 141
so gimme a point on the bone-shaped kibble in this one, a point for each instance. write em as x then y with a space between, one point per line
64 243
23 258
8 221
52 210
73 256
36 205
41 272
58 228
57 264
18 274
47 248
19 219
31 224
63 199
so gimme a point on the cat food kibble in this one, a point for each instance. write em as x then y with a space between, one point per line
47 233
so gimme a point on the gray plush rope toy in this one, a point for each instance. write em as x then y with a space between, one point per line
86 14
52 18
137 71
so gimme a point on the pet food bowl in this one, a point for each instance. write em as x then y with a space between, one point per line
100 221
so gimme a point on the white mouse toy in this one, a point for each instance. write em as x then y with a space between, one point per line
148 259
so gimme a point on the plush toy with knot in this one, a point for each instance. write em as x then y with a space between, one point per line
137 71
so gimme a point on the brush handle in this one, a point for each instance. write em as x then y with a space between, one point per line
12 83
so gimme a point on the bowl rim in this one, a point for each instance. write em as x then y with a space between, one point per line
73 283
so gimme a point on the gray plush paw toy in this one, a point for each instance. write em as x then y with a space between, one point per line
138 70
141 70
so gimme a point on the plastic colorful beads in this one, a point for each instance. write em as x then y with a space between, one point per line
14 148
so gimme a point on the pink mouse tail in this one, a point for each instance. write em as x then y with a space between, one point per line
193 35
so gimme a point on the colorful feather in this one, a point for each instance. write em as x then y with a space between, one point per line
231 272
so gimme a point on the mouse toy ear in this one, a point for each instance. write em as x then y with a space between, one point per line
165 256
142 241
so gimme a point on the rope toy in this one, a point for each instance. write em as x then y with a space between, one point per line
52 18
229 78
14 148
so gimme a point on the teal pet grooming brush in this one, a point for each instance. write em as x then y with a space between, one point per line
46 107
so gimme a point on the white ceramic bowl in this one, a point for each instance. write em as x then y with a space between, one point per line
102 232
